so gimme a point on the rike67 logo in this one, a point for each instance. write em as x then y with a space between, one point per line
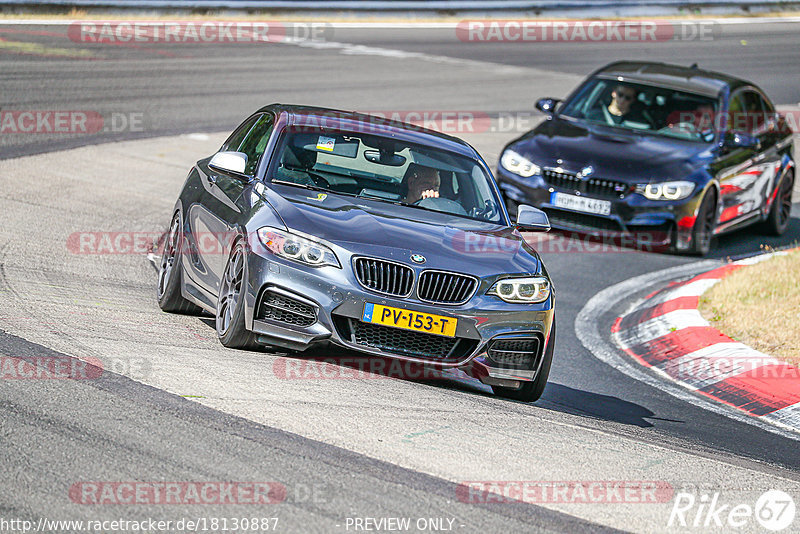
774 510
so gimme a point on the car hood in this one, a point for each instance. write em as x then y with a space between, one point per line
612 152
361 226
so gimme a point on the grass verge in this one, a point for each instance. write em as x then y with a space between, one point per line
759 305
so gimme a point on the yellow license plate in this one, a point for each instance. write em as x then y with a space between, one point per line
409 320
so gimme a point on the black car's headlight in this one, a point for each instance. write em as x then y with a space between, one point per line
528 290
515 163
293 247
666 190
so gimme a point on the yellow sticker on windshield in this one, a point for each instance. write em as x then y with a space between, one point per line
326 143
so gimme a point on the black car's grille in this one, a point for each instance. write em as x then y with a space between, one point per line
582 221
445 288
567 180
405 342
384 277
515 352
596 187
283 309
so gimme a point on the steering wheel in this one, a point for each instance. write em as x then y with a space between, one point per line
489 209
441 204
683 127
319 180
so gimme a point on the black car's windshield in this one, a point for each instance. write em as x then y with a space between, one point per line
385 169
645 108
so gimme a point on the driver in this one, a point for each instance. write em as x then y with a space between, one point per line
422 182
620 109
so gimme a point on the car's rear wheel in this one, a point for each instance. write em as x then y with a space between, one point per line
229 314
778 220
170 274
531 391
703 230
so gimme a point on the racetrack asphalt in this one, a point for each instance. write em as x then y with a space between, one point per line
377 447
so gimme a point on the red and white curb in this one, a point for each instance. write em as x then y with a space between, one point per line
666 333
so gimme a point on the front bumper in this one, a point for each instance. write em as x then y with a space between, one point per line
633 220
338 303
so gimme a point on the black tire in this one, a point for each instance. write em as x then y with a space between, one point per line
703 230
778 219
229 316
170 273
531 391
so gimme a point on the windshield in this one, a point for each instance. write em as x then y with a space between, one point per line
385 169
654 110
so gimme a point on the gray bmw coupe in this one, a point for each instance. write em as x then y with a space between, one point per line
313 227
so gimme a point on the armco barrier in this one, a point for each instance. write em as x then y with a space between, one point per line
403 5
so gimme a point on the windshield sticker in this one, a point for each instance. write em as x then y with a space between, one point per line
326 143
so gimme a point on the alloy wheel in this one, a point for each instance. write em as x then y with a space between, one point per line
230 290
785 200
169 255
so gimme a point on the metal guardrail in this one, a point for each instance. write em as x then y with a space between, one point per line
396 5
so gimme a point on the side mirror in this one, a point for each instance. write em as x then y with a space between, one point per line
233 162
740 140
530 219
547 105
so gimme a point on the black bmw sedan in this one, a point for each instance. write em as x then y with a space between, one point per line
660 155
314 227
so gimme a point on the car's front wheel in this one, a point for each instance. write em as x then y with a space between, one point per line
229 315
703 231
169 273
531 391
778 220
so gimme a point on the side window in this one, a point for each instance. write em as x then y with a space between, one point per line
238 135
255 142
750 117
755 112
768 107
737 119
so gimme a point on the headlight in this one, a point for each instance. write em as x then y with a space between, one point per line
666 190
518 165
296 248
522 290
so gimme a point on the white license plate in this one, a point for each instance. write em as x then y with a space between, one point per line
573 202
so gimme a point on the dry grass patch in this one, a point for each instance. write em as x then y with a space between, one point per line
759 305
